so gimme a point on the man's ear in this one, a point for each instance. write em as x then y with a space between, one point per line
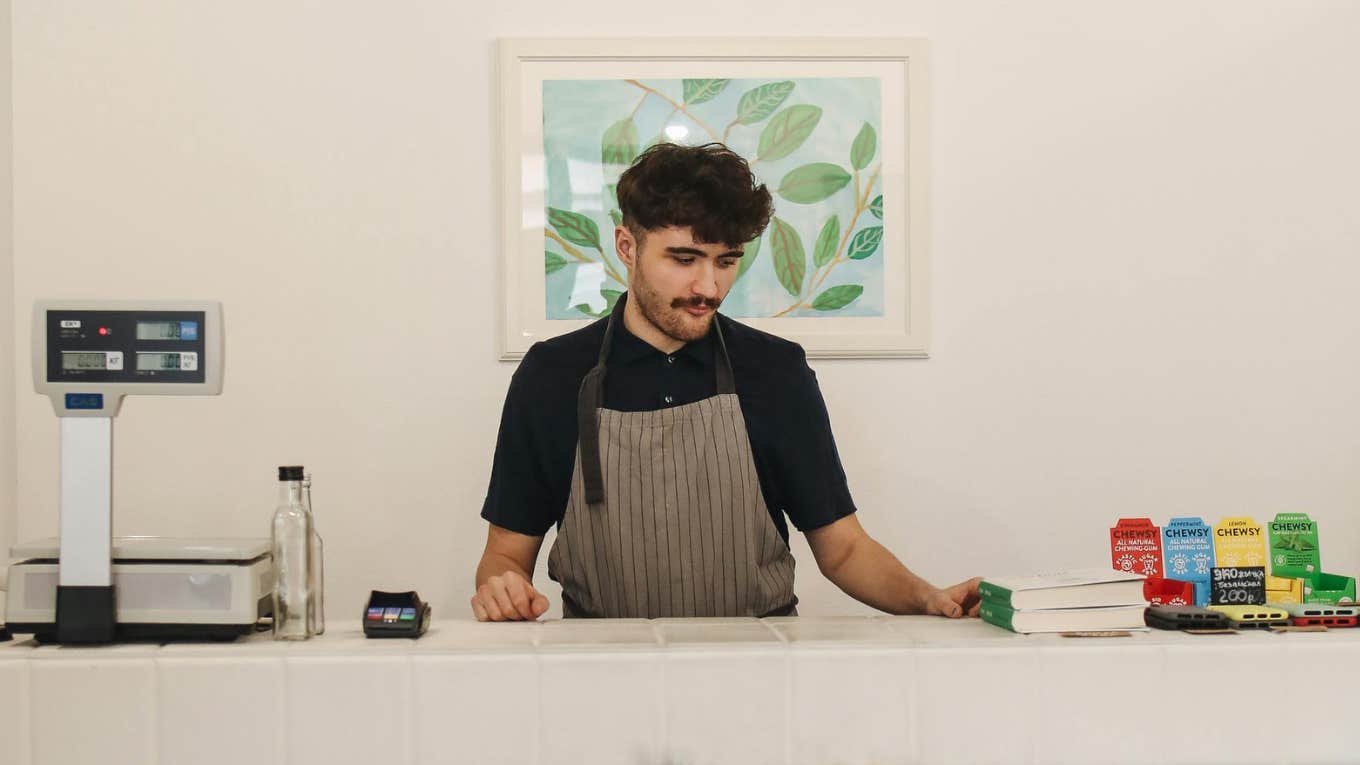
625 245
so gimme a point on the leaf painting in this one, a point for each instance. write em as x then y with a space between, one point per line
814 143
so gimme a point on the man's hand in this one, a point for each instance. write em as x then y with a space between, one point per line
504 592
956 601
508 597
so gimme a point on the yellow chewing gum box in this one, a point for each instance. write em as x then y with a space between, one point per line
1283 589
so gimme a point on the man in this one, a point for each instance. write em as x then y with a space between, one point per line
667 442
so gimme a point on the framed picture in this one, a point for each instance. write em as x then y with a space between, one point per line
835 128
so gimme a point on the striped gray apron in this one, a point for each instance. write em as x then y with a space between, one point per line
666 516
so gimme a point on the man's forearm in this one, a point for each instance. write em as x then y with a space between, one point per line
875 577
493 564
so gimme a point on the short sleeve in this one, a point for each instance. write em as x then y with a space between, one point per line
527 492
806 468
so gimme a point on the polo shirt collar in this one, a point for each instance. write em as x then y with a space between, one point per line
629 348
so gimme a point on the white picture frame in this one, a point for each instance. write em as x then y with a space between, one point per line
902 330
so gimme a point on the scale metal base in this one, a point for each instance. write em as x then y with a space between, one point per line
166 588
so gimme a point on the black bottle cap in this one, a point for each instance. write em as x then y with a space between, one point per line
290 472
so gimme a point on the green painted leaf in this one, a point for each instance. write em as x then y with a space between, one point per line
617 217
552 262
620 143
865 243
758 103
825 249
863 148
812 183
575 227
748 256
836 297
876 207
787 131
699 91
790 261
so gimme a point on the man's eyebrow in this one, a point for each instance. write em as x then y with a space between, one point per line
701 253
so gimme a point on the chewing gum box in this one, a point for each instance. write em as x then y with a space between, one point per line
1239 542
1159 591
1294 547
1136 546
1331 588
1281 589
1188 554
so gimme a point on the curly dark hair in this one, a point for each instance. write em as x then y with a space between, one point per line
708 188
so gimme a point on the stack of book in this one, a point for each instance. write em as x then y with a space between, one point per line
1070 601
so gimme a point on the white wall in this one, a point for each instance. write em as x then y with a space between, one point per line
1144 259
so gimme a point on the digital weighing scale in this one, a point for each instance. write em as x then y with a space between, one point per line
86 586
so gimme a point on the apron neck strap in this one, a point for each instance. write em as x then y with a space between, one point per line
721 361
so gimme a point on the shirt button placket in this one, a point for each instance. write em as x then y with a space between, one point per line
670 367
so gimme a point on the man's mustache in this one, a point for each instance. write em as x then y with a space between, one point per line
695 302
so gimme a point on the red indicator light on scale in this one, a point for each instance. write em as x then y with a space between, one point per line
103 330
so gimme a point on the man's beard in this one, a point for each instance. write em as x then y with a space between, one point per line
669 316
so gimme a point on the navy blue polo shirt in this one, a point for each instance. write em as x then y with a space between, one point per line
795 454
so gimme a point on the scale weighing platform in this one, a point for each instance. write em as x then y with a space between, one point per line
166 588
85 586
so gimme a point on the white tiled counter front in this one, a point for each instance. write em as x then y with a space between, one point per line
779 691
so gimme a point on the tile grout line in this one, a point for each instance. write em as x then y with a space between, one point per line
284 712
29 736
1034 689
157 696
1162 655
788 700
409 718
537 753
662 670
913 712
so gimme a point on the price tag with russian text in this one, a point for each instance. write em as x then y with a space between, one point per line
1238 586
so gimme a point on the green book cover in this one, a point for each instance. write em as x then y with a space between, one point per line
998 614
993 592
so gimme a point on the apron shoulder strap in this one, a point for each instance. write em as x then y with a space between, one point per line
588 423
722 362
588 402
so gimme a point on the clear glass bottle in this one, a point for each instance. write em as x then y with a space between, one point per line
290 537
317 608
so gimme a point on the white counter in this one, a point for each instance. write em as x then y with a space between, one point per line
858 690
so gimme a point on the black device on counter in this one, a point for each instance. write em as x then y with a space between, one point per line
396 615
1185 618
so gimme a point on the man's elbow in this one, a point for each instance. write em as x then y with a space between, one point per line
833 553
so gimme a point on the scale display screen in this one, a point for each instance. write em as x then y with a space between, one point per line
159 361
71 360
167 330
125 344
